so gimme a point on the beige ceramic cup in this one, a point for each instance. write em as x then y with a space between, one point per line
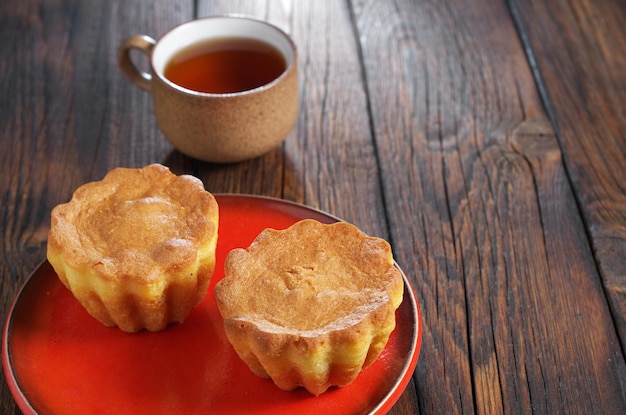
222 128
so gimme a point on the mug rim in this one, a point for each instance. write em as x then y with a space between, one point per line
288 68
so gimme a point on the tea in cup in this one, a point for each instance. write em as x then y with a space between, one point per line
225 88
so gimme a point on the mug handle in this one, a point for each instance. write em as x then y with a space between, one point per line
138 77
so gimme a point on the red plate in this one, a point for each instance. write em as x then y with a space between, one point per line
59 360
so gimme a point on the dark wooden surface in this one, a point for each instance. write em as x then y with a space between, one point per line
485 139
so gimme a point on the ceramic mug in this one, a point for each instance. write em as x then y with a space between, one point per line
217 127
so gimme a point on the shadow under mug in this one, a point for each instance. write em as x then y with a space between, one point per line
217 127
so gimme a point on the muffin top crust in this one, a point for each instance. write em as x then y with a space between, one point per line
135 224
309 279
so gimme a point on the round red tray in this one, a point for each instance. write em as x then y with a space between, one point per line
59 360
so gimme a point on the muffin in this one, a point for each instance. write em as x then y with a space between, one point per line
136 249
311 305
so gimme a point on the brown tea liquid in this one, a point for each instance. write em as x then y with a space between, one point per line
225 65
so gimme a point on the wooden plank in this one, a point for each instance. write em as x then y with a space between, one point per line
588 53
481 191
68 116
328 161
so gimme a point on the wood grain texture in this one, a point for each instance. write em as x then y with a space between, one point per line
484 139
583 80
471 162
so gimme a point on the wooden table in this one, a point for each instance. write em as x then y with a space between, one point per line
484 139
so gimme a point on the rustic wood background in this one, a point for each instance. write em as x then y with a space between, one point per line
485 139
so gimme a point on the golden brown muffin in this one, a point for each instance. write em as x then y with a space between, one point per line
311 305
136 249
